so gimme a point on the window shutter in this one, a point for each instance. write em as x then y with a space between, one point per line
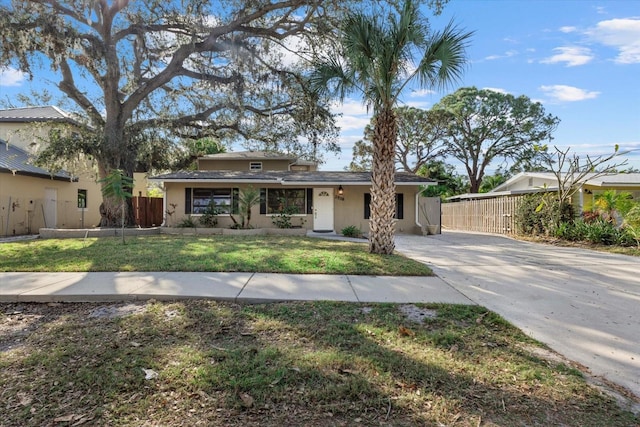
399 206
263 201
187 200
367 207
309 201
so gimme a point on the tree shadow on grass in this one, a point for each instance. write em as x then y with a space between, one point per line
370 369
315 364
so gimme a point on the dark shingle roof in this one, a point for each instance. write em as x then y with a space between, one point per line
15 160
288 177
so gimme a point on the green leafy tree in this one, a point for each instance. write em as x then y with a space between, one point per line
449 183
485 126
489 182
377 58
194 148
148 72
418 141
362 153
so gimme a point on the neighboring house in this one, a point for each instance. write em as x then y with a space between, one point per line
323 201
34 196
588 188
495 211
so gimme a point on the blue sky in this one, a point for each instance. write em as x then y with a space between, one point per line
580 59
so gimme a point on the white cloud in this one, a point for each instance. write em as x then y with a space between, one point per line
350 107
563 93
573 56
568 29
507 54
352 114
621 34
346 123
418 104
11 77
421 92
496 89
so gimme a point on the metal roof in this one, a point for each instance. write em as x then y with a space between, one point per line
35 114
611 179
16 161
288 177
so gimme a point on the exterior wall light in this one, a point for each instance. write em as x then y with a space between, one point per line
340 190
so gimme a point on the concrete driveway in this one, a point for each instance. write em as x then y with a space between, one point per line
583 304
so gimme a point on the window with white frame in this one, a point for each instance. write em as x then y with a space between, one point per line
255 166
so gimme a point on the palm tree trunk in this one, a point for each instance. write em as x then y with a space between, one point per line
383 187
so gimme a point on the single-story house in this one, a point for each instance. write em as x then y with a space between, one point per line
321 200
588 188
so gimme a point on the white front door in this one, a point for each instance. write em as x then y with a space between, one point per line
323 209
50 207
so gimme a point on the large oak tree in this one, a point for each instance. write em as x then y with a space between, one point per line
144 72
485 126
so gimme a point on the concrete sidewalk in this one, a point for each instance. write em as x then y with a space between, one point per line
240 287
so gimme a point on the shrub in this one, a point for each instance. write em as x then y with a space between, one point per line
186 222
632 223
602 232
209 216
528 221
625 237
590 216
283 219
351 231
542 213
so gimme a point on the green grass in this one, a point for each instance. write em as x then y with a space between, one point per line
312 364
262 254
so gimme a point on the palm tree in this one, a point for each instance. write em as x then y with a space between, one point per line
612 204
378 60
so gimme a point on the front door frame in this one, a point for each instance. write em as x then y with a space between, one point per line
323 209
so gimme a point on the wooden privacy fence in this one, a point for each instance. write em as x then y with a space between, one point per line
485 215
148 211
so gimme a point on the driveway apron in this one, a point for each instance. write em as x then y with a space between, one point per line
583 304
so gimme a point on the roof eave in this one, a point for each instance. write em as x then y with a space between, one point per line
39 175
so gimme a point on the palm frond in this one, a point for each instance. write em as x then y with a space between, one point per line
444 60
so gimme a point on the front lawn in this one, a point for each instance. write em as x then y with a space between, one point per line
260 254
298 364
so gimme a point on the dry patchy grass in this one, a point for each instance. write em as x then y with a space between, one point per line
312 364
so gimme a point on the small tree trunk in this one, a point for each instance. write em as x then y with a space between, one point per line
111 209
383 187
